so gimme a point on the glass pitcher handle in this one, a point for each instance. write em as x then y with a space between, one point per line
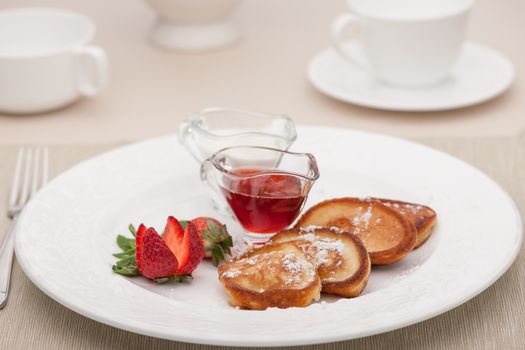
185 136
208 178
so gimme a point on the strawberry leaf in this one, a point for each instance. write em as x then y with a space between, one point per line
128 261
162 280
175 279
207 236
127 265
182 278
214 227
227 244
217 241
126 270
217 255
125 243
127 253
132 229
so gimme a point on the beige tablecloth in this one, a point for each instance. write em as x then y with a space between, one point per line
493 320
150 91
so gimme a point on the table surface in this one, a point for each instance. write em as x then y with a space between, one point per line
495 319
151 90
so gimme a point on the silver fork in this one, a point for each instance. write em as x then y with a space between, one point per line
31 173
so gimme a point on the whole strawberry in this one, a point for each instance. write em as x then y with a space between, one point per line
215 238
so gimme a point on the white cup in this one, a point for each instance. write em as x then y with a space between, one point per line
406 43
45 59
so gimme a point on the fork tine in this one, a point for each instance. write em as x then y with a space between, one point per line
45 166
16 178
27 175
36 167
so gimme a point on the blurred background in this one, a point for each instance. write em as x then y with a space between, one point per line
151 90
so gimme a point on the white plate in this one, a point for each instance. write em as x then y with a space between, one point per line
480 74
66 235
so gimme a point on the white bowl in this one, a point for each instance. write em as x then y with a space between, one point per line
194 25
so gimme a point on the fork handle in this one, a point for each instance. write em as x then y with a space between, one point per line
6 261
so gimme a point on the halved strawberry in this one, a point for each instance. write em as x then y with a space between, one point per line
185 244
154 257
215 238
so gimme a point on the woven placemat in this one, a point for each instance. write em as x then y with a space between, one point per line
493 320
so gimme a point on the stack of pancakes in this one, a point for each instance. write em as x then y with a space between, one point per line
330 250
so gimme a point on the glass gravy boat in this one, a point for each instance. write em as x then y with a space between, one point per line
213 129
265 188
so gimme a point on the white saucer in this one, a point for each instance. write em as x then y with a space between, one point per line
480 74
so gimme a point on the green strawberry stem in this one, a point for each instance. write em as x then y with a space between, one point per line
175 278
217 241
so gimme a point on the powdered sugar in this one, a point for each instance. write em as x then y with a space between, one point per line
362 218
414 208
308 232
336 229
335 244
292 264
297 266
310 237
310 229
231 273
321 257
250 261
240 247
320 247
323 248
391 205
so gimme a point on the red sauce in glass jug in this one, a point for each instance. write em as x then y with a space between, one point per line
265 203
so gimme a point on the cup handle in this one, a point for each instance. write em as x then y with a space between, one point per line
91 81
339 27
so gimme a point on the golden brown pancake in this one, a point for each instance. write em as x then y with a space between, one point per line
341 259
276 275
420 216
387 235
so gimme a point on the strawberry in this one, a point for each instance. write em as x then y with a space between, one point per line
185 244
214 237
154 257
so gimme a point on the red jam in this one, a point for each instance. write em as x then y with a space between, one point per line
265 203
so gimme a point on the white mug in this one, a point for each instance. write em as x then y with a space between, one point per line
406 43
46 61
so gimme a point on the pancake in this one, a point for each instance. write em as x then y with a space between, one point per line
386 234
341 259
274 275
